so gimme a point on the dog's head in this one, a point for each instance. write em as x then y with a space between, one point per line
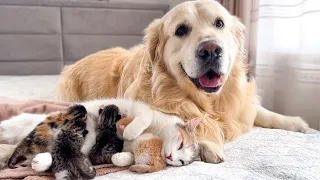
198 41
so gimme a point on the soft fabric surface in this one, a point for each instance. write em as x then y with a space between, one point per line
28 87
11 107
28 173
259 154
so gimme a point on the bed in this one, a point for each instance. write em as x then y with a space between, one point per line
259 154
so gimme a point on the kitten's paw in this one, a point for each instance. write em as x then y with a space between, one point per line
134 129
211 152
41 162
130 134
122 159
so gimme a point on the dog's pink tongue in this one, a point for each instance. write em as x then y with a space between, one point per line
206 82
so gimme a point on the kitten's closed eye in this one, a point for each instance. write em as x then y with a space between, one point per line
182 162
181 146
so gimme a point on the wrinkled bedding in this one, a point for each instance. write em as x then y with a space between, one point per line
11 107
259 154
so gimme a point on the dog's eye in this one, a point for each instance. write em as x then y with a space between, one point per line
182 30
219 23
181 145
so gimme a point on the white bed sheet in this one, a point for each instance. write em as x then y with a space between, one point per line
259 154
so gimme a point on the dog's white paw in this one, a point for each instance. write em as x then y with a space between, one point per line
122 159
211 152
41 162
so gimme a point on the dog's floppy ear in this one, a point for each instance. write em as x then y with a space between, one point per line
238 30
154 40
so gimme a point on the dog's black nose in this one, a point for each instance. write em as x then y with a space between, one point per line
209 50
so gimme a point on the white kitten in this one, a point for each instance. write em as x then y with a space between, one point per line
179 144
13 130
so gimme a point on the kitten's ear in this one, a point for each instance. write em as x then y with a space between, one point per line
193 123
101 108
100 111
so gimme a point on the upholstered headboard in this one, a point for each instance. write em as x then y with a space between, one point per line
41 36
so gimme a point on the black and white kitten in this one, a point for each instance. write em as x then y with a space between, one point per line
107 141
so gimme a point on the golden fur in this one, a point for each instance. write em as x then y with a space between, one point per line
150 72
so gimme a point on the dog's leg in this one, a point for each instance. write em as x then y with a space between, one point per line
211 152
269 119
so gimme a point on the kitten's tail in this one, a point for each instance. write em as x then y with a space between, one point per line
85 167
142 168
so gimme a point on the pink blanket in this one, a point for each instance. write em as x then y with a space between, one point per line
11 107
29 174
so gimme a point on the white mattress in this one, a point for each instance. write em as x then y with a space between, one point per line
259 154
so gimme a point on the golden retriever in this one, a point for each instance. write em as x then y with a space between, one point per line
191 64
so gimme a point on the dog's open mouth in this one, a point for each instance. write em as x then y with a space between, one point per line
209 82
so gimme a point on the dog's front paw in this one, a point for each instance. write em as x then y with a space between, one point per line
122 159
41 162
211 152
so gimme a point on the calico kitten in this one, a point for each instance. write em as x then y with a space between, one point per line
152 153
68 162
107 141
40 139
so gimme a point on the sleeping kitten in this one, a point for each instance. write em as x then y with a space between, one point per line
107 141
178 147
40 139
68 162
